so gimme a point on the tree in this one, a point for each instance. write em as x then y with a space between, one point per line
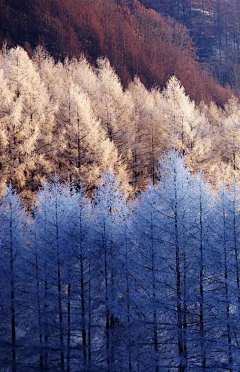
145 235
110 211
81 285
28 125
143 104
51 219
178 109
12 226
202 328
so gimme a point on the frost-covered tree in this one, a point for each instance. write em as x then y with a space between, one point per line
201 331
28 126
51 219
81 285
223 289
145 235
180 115
143 104
114 105
231 133
5 111
128 304
174 193
13 221
110 210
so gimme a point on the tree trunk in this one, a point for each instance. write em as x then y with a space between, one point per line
13 309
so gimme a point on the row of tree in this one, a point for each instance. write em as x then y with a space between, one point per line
105 285
77 120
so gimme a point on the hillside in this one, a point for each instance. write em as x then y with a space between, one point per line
215 29
136 41
153 96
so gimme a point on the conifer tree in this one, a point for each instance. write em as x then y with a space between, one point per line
12 224
30 120
110 211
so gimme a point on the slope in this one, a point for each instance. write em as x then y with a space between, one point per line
136 41
215 29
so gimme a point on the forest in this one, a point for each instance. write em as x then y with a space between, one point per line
124 31
214 28
114 256
119 186
103 284
76 120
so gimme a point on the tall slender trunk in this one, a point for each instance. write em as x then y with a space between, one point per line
78 146
41 365
138 343
153 153
13 309
129 346
201 288
107 312
226 285
155 325
83 315
68 327
236 253
60 316
89 319
181 367
59 286
46 335
46 293
135 158
112 315
185 352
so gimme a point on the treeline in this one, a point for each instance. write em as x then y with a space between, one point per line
135 40
105 285
214 27
77 120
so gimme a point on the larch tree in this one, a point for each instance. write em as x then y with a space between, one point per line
110 210
143 103
6 107
145 236
180 111
231 133
81 281
223 280
13 222
113 105
30 121
174 192
51 218
202 321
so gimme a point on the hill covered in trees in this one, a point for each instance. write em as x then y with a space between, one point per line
215 29
137 41
125 259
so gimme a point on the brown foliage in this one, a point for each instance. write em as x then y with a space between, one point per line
137 41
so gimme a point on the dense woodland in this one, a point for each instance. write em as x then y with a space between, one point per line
103 272
119 186
76 120
124 31
105 285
